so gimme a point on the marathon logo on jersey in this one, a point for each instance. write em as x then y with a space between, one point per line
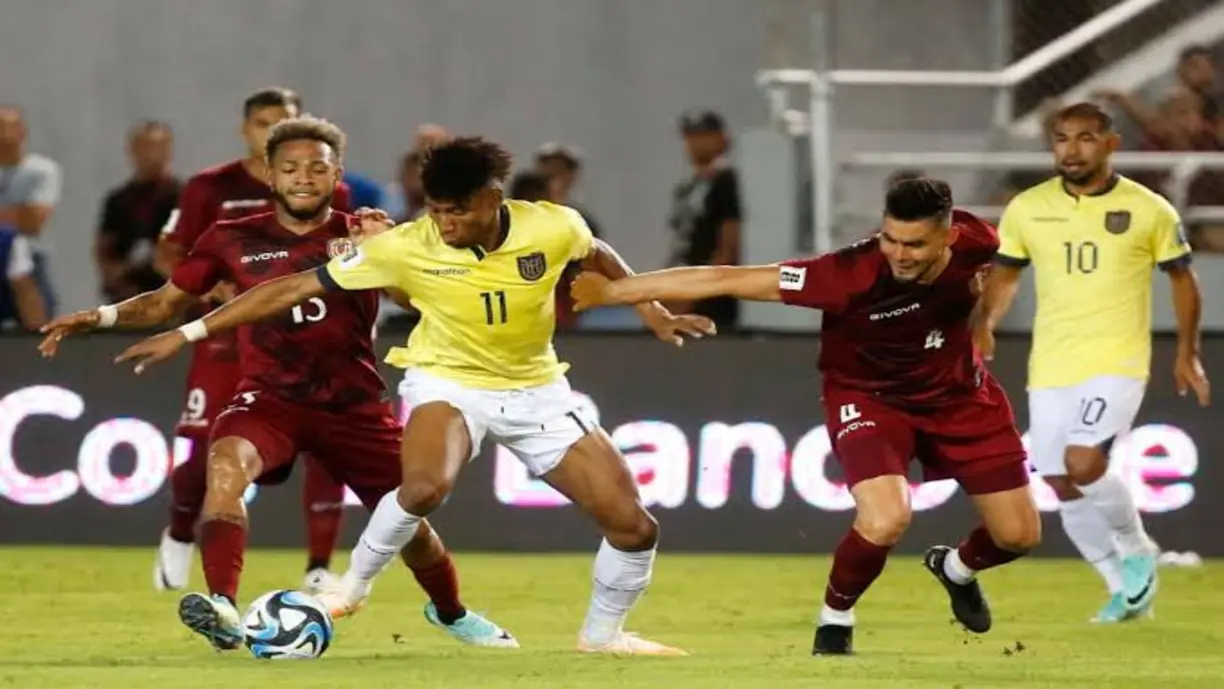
265 256
884 315
791 278
341 247
532 266
1117 222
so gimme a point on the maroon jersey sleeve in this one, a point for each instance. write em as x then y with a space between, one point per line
203 267
196 211
977 240
821 282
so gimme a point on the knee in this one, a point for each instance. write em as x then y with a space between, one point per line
1063 487
226 476
1085 465
421 495
883 524
635 531
1018 536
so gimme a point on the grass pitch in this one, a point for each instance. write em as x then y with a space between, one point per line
86 618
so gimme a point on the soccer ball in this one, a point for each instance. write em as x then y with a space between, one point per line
287 624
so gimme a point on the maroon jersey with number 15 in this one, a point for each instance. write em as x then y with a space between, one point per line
909 344
319 353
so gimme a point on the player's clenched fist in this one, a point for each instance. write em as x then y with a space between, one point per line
369 222
61 327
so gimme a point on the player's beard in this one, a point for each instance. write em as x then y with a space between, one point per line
303 214
1081 178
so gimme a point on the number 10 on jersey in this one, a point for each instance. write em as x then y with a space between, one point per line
494 306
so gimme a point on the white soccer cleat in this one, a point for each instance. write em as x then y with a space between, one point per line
628 644
173 566
344 596
319 580
213 617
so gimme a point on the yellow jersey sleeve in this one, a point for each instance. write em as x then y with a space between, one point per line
368 266
1169 244
1012 249
580 239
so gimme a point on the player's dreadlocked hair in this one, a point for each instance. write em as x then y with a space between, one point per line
921 198
456 169
305 128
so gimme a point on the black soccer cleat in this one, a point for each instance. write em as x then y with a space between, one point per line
968 603
833 640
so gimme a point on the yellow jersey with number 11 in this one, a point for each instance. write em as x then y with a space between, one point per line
1093 257
487 319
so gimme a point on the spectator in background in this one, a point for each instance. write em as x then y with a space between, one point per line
363 191
531 186
562 165
405 199
21 304
29 191
1196 73
134 214
705 216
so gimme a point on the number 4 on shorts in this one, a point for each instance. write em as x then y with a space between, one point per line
848 413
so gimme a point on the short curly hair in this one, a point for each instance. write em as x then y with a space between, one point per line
458 168
305 128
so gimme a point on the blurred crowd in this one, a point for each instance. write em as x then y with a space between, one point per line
704 221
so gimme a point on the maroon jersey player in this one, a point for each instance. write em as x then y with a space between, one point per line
308 382
901 380
234 190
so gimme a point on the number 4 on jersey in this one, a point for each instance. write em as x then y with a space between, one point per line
934 340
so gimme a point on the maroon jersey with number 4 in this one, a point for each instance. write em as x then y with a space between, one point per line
320 353
909 344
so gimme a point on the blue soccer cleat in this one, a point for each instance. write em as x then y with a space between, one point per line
472 629
214 618
1139 581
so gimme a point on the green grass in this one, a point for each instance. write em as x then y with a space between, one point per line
82 618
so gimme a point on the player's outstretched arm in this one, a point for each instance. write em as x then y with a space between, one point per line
256 304
605 263
1188 369
141 311
754 283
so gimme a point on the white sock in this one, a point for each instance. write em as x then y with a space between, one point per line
838 618
956 569
619 580
1114 502
1090 533
390 529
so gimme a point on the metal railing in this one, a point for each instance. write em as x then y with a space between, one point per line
820 81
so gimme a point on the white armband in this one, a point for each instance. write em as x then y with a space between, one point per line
194 331
107 316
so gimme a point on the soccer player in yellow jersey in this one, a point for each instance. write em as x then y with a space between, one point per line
482 271
1093 237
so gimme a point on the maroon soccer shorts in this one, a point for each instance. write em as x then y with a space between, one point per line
211 381
974 441
360 448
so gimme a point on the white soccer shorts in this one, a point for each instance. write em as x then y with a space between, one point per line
1084 415
538 424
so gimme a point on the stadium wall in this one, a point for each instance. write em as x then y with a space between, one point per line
725 437
607 75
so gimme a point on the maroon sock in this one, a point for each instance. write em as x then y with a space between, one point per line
979 551
222 545
856 563
322 501
187 485
441 583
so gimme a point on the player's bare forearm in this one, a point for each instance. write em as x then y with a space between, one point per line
604 260
1187 307
30 306
1002 283
264 301
754 283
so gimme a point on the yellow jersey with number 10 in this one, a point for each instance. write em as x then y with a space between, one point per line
487 319
1093 257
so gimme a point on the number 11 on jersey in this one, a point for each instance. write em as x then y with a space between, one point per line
494 299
